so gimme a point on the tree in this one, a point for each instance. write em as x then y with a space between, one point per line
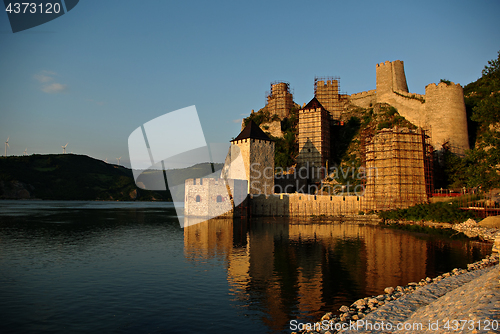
487 111
482 164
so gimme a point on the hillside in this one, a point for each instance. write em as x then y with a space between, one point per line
69 177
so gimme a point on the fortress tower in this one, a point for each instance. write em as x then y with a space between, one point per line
280 100
314 137
446 116
326 91
257 151
390 78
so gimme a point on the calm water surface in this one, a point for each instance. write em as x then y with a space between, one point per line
129 268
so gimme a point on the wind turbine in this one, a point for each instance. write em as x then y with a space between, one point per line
118 160
64 148
6 145
25 151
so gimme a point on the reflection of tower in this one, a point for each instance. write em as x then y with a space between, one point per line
280 100
314 136
257 151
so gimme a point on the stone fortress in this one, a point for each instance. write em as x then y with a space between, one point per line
440 112
401 157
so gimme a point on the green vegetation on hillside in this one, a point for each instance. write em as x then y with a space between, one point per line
261 116
286 147
346 139
480 167
79 177
445 212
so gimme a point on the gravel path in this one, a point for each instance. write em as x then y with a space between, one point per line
472 296
478 302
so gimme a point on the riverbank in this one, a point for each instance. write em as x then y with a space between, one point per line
474 294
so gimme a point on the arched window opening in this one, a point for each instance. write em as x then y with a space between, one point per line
219 198
198 198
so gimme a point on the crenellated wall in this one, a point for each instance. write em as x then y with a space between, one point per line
304 205
364 99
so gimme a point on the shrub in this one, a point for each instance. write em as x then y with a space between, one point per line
439 212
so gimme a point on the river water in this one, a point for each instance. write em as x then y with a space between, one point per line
117 267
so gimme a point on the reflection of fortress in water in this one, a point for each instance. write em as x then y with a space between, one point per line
291 269
306 266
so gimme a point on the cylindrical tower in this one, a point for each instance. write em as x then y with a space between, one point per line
280 99
446 116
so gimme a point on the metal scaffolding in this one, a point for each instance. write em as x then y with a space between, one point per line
398 164
326 90
279 100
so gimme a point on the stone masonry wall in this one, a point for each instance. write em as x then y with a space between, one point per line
208 191
364 99
303 205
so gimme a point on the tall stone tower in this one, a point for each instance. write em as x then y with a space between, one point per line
280 100
326 91
390 78
257 151
446 116
314 138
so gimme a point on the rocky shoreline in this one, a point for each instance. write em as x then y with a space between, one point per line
401 303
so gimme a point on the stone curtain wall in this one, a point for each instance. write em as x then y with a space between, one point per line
303 205
364 99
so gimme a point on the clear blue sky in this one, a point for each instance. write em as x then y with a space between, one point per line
94 75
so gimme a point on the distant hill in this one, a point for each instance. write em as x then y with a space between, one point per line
72 177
